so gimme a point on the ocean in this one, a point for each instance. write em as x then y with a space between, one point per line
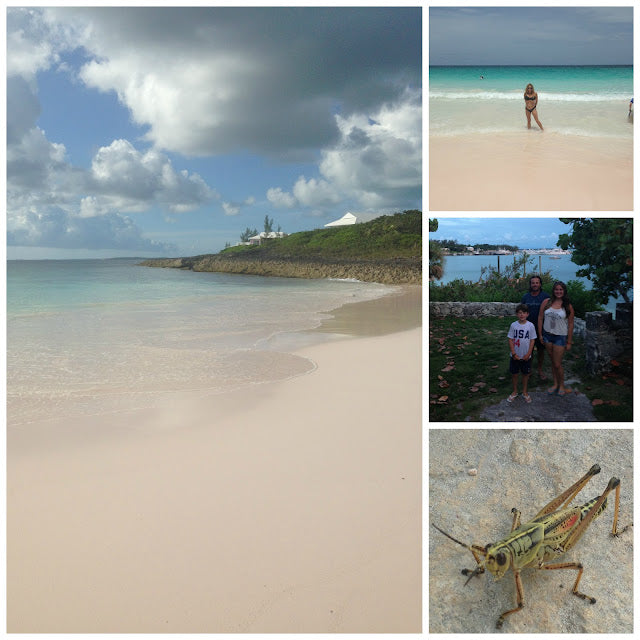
97 336
561 268
587 101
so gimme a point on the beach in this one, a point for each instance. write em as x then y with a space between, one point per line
530 171
482 156
288 506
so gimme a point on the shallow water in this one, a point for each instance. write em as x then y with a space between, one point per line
590 101
95 336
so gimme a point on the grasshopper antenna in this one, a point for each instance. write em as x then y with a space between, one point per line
462 544
475 549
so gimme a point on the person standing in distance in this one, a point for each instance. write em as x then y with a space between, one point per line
533 299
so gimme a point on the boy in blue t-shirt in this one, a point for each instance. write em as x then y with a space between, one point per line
522 338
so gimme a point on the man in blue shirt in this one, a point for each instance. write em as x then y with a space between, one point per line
533 299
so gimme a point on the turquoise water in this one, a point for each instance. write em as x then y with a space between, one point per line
587 100
469 268
94 336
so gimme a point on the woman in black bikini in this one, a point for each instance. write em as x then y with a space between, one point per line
530 103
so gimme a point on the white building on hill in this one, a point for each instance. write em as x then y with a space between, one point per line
266 236
353 218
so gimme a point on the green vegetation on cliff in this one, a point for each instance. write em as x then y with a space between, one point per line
394 236
386 250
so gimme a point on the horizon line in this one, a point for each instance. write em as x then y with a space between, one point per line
533 65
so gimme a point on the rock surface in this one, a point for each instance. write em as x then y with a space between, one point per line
526 468
392 271
573 407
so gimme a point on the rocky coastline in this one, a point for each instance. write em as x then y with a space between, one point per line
387 271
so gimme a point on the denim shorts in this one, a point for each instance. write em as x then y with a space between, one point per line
553 338
520 366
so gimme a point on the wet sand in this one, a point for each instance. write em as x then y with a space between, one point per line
289 507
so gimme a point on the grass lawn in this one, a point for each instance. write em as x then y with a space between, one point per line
469 370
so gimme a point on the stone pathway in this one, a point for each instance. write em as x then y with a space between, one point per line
573 407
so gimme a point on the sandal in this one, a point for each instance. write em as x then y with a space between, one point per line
512 397
527 398
553 391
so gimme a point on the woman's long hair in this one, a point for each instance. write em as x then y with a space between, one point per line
566 303
533 91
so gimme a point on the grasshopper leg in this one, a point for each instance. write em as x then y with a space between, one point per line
580 569
567 496
576 534
516 519
614 530
519 600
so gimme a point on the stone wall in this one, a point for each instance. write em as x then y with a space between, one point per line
485 309
607 338
472 309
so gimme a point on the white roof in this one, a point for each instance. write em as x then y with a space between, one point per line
347 218
271 234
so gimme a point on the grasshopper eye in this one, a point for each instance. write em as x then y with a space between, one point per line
501 558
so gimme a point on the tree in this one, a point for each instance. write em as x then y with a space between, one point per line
248 233
268 224
605 247
436 269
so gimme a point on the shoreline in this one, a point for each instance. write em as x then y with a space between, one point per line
273 509
388 314
530 171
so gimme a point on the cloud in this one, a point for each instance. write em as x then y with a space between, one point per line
313 193
130 180
234 208
56 228
555 35
278 198
210 80
376 162
44 189
289 83
230 209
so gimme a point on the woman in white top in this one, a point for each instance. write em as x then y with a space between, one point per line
555 325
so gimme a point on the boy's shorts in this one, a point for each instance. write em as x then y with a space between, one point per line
520 366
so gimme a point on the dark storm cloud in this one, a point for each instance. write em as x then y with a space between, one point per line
208 80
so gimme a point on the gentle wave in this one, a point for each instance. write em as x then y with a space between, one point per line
552 97
565 131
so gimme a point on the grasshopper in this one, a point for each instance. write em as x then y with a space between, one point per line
552 532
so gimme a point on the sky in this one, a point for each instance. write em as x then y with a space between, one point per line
530 35
169 131
525 233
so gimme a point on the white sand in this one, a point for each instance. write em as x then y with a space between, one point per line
294 507
532 171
